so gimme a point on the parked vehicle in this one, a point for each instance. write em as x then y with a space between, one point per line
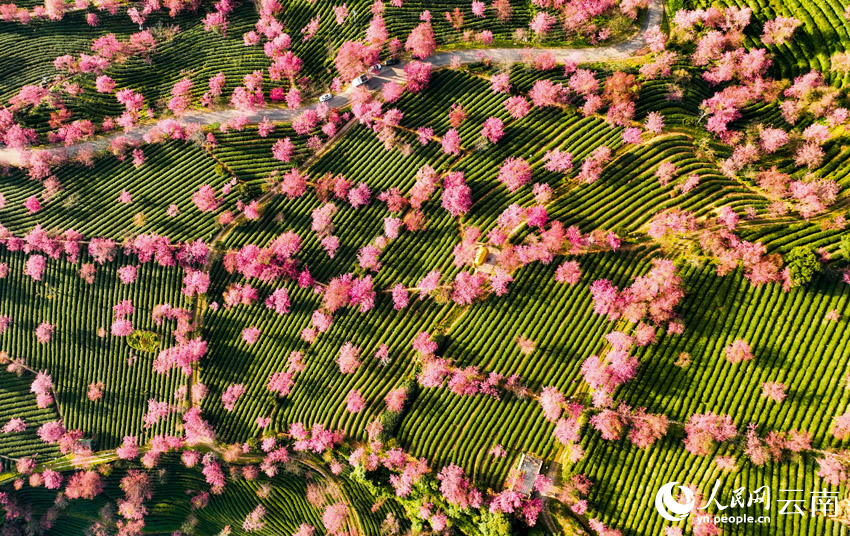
360 80
376 68
326 97
391 61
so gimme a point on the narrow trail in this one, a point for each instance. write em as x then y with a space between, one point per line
280 114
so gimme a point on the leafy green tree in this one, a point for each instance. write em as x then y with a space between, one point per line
803 264
494 524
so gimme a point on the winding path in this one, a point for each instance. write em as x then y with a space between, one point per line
280 114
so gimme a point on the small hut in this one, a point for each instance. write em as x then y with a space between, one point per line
486 259
480 256
529 467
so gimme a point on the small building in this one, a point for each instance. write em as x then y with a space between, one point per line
481 256
529 468
486 259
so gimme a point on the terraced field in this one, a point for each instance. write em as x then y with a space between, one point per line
824 32
620 267
77 355
175 171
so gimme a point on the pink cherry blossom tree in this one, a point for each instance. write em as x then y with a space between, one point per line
421 42
348 359
231 395
335 518
704 429
417 74
354 402
456 196
738 351
514 173
353 59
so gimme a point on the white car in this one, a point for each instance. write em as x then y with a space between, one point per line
376 68
360 80
326 97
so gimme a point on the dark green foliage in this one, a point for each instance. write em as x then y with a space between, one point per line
803 264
